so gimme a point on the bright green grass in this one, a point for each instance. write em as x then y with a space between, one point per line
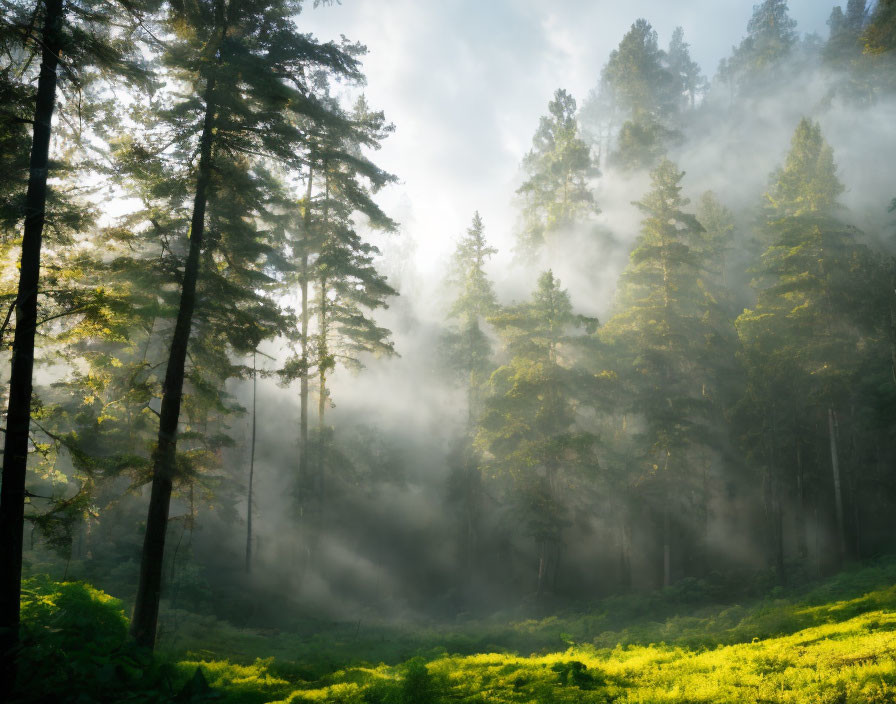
835 642
845 662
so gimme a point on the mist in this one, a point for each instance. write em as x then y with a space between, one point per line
727 146
349 334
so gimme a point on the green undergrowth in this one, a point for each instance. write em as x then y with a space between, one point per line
832 642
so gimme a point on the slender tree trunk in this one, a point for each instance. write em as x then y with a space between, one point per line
556 558
251 468
542 568
838 494
893 328
667 546
18 417
778 531
545 543
856 516
315 499
667 527
703 548
801 536
774 503
303 382
854 485
322 401
146 607
625 550
472 494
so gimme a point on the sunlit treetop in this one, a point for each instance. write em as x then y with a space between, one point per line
807 182
556 193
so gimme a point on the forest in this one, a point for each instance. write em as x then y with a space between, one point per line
635 442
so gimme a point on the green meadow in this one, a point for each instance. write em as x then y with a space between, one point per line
829 641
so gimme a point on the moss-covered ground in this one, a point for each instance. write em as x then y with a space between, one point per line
834 641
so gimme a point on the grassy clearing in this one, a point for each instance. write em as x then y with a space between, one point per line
835 642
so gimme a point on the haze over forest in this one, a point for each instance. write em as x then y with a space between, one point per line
434 316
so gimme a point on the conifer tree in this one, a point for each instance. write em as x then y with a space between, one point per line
880 35
347 281
771 36
339 282
684 70
470 354
809 325
844 43
648 93
470 349
844 52
661 326
78 37
529 428
555 193
349 288
246 65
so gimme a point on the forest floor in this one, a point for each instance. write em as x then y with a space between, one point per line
831 641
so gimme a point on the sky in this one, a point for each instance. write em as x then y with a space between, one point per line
465 82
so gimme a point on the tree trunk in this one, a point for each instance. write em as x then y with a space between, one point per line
838 494
542 568
801 537
625 550
146 606
774 505
18 418
251 469
667 547
854 489
778 532
303 382
667 528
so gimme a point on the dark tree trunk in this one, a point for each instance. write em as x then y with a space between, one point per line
775 520
303 381
625 549
774 505
838 494
18 417
667 547
802 538
542 568
778 532
854 489
146 606
251 469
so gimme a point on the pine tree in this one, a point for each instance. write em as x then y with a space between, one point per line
879 39
339 283
684 70
529 429
771 37
880 35
249 64
349 288
469 352
844 43
347 281
80 33
662 329
555 193
648 94
469 347
636 75
804 337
